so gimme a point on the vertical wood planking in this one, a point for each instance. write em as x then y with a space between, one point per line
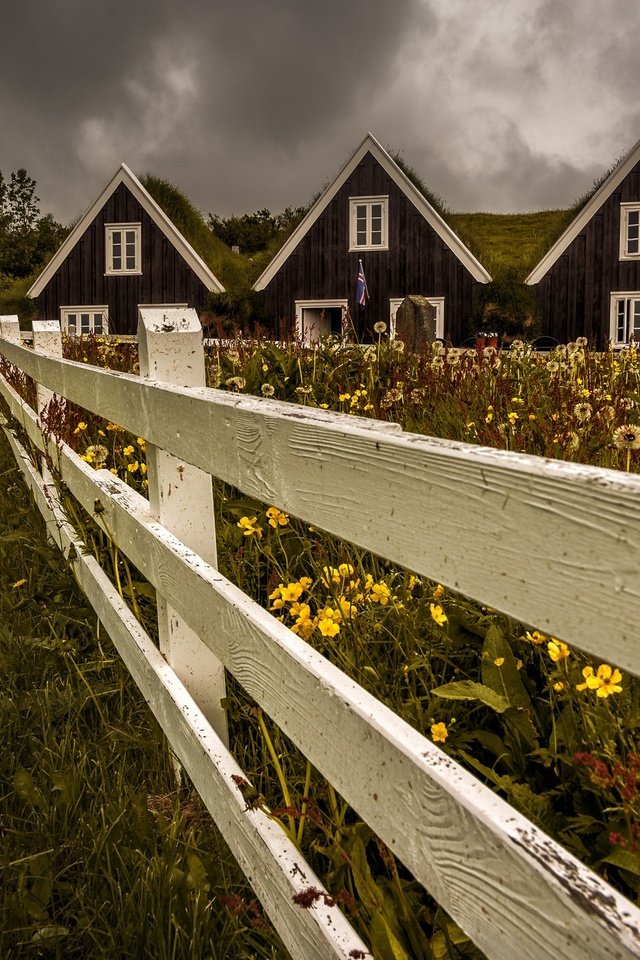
171 350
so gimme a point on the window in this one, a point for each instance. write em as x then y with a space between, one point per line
84 320
122 246
319 318
625 318
368 223
629 231
437 302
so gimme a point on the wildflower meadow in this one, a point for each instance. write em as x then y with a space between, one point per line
550 729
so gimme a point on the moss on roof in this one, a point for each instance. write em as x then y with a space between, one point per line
231 269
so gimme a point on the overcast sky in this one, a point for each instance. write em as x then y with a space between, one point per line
499 105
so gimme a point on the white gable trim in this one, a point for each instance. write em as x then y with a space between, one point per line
603 193
371 145
159 217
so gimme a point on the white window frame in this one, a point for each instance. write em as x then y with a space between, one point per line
625 210
306 336
618 297
368 202
109 230
93 311
437 302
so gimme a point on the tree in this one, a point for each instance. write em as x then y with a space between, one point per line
256 232
26 239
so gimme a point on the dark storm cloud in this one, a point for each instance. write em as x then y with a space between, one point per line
497 104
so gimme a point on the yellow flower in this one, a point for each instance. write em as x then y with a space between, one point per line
499 661
277 517
19 583
380 593
128 450
438 614
512 417
81 426
438 592
587 673
536 637
328 627
439 732
132 467
143 468
305 582
324 406
291 592
558 650
606 681
345 569
558 686
248 527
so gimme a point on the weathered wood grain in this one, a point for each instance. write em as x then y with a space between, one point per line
553 544
505 882
272 864
181 496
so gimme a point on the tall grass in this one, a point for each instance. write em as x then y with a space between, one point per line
100 854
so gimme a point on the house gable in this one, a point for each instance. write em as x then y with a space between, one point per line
615 179
370 145
374 214
122 252
591 275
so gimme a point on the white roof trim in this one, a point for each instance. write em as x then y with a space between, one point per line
159 217
371 145
603 193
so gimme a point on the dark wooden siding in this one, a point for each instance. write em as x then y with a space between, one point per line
574 297
80 280
417 262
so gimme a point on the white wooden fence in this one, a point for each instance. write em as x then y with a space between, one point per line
550 543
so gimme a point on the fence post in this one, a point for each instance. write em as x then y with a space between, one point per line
10 328
171 350
47 338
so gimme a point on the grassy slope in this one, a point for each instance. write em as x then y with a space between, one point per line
509 240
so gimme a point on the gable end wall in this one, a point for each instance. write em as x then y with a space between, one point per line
417 262
80 281
574 296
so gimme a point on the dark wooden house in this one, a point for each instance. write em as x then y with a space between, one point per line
124 252
373 215
588 283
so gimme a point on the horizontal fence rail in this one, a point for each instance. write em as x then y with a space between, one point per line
440 508
392 493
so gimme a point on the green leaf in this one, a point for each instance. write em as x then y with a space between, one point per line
197 878
385 944
25 787
469 690
504 678
368 890
625 859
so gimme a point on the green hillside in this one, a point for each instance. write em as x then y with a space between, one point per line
509 242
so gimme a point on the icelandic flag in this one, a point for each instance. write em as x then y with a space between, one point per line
362 294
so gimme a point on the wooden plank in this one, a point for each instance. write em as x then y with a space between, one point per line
466 845
272 864
462 514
